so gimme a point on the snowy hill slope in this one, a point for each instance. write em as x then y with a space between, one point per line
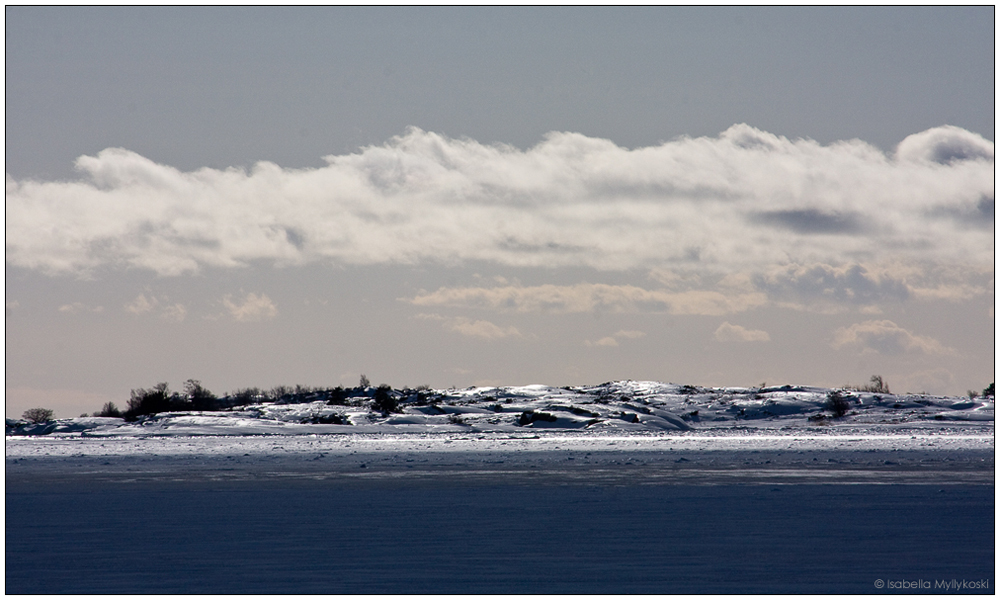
613 407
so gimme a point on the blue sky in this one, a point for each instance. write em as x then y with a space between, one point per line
459 196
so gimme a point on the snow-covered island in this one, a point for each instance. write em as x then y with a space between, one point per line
645 429
611 408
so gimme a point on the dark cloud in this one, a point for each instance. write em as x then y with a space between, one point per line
295 237
748 138
985 207
811 220
514 245
949 151
945 145
853 285
979 214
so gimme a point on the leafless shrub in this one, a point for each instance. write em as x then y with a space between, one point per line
837 403
876 385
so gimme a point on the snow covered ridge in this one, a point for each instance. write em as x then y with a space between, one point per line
614 407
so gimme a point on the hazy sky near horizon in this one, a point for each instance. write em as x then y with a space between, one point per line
496 196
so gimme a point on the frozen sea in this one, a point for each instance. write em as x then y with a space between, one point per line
548 512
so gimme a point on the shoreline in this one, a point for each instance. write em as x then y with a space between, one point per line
912 457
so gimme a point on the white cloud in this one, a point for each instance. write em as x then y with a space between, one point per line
887 338
590 297
146 304
612 340
142 304
174 312
739 202
736 333
252 308
478 328
79 307
482 329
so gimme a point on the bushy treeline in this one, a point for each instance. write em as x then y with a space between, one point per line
195 397
383 398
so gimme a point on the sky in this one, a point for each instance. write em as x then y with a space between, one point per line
496 196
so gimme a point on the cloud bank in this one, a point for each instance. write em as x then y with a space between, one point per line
743 201
887 338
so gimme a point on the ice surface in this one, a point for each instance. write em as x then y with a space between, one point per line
460 537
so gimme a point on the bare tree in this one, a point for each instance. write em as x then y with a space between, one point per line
877 386
38 415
